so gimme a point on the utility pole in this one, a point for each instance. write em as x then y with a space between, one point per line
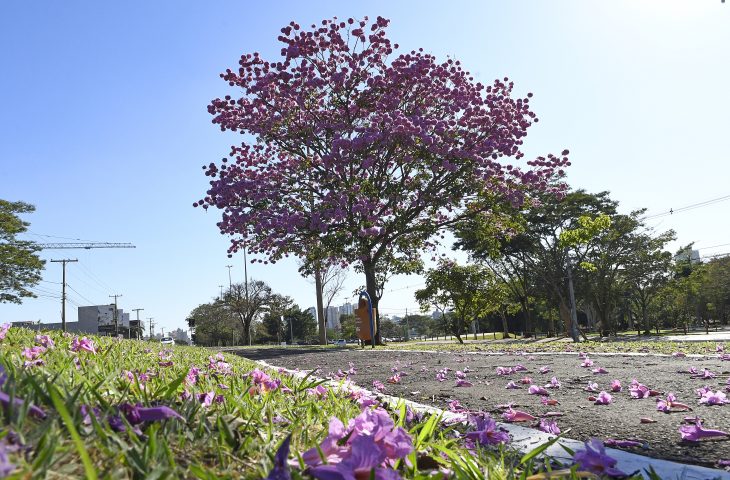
245 285
63 290
152 327
116 320
138 324
573 313
230 284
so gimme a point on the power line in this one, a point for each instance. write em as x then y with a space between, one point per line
672 211
82 297
95 278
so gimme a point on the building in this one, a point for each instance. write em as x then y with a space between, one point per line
348 309
332 316
96 320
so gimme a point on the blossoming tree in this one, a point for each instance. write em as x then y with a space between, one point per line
352 151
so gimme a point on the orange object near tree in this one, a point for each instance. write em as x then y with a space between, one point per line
363 321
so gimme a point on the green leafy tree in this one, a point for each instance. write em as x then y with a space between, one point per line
463 290
20 265
247 302
348 326
214 324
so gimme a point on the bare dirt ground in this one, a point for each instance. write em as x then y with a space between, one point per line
618 420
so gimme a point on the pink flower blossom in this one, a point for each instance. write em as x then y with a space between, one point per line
599 370
706 374
545 369
33 352
587 362
378 385
4 330
592 387
537 390
504 371
693 371
638 390
554 383
716 398
460 374
83 344
615 386
703 390
549 426
526 381
455 406
394 379
206 399
463 383
512 386
519 368
318 391
671 404
604 398
44 341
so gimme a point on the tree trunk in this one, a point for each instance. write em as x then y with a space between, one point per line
321 321
528 318
565 316
371 287
505 328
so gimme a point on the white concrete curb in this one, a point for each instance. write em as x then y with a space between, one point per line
526 354
526 439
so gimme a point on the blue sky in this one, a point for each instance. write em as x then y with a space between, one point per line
105 129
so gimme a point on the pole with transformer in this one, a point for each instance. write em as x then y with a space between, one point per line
138 324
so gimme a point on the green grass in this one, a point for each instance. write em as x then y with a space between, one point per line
235 438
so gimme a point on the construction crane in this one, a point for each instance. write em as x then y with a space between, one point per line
85 245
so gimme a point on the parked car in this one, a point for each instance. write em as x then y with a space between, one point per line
167 341
341 342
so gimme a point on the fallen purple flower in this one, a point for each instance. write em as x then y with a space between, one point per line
549 426
638 390
679 354
595 460
671 404
702 391
504 371
599 370
526 381
460 374
463 383
519 368
615 386
136 414
512 415
714 398
587 362
378 385
486 431
604 398
592 387
537 390
695 433
554 383
545 369
512 386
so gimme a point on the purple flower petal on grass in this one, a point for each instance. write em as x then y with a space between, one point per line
281 467
486 431
604 399
612 442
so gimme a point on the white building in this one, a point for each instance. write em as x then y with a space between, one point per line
332 315
347 309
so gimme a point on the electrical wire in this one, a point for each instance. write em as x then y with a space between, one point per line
672 211
82 297
94 277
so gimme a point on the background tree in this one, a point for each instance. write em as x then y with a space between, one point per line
360 155
463 290
20 266
348 326
214 324
247 306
